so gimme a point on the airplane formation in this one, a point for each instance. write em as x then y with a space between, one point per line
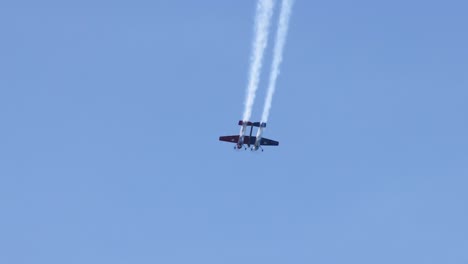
263 17
253 142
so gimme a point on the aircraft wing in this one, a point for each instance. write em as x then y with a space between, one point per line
268 142
235 139
232 139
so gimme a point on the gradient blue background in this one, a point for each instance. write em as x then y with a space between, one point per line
110 114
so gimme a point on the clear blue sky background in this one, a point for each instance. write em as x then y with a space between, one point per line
111 111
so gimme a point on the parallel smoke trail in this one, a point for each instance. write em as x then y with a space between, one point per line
285 13
262 24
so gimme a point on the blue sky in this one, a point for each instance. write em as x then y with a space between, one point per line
111 113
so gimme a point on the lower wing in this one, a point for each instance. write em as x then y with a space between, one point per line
232 139
268 142
235 139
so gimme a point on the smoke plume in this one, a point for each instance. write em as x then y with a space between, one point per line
280 40
262 24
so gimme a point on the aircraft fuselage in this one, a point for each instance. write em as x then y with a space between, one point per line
240 143
258 138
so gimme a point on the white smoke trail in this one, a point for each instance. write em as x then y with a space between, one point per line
262 24
281 33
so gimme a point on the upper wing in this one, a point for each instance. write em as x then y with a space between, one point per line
232 139
268 142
